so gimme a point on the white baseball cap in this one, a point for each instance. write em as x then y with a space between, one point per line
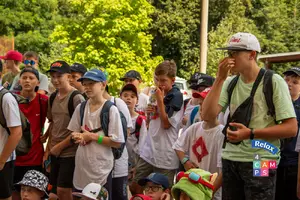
242 41
93 191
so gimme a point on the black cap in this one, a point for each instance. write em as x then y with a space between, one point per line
60 67
132 74
295 70
1 66
77 67
200 80
31 70
130 87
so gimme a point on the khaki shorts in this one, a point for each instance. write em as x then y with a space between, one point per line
143 169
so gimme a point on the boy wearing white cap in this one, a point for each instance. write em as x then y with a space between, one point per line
249 118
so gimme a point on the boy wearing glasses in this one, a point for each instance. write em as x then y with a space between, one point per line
156 186
31 59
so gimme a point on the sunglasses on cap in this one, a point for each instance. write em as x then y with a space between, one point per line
194 178
27 62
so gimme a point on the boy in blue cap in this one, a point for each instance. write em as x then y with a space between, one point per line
94 157
156 186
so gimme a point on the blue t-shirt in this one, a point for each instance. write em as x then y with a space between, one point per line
289 157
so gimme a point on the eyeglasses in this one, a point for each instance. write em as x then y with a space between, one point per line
153 188
194 178
27 62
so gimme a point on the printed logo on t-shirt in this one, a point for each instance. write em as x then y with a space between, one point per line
200 145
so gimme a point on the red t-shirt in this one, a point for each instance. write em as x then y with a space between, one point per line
35 117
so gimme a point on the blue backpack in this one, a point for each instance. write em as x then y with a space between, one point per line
104 120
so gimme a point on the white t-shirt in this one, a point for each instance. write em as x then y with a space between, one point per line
142 103
158 144
121 164
208 144
196 119
223 116
133 144
94 162
11 112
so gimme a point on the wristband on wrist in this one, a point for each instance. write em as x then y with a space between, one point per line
184 160
100 139
251 134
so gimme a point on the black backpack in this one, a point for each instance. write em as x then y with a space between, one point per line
244 112
70 103
25 143
104 120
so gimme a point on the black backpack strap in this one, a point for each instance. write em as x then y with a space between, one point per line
104 116
268 91
231 87
71 102
81 112
3 91
52 97
257 81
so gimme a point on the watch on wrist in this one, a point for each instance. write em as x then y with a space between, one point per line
251 134
184 160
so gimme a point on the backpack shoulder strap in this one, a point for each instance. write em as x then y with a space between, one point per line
268 92
231 87
104 116
193 114
257 81
52 97
185 103
71 102
3 91
138 125
81 111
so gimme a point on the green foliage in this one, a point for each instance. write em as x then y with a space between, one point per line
29 21
110 34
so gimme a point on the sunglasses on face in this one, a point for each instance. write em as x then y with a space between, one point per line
27 62
153 188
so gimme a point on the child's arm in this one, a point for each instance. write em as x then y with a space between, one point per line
12 142
87 137
57 149
161 107
218 182
188 164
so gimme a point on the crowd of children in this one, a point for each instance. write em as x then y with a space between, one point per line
109 148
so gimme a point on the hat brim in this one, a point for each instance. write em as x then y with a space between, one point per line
292 71
78 194
56 70
233 48
197 95
18 187
144 181
89 78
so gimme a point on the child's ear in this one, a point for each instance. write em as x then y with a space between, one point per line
173 80
213 178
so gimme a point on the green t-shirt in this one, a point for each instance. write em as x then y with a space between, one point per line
9 77
259 119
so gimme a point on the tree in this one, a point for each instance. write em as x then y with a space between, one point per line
29 21
233 22
110 34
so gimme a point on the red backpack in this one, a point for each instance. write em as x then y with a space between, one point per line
138 125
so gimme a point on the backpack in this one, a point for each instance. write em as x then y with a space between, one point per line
185 103
104 120
70 103
25 143
193 114
244 111
138 125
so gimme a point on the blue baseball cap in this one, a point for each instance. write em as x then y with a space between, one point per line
155 178
94 75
